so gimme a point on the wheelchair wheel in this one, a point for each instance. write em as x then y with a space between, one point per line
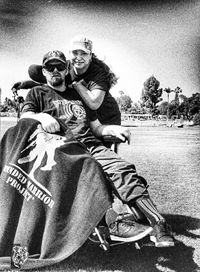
105 246
100 236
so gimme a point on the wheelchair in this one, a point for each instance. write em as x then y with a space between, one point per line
100 234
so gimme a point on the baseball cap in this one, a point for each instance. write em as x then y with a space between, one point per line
81 43
54 55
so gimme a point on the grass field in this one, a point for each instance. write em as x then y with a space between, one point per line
169 158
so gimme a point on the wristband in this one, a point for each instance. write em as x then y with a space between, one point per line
75 84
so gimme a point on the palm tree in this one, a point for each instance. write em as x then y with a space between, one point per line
177 91
168 91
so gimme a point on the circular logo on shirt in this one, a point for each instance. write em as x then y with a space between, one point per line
78 111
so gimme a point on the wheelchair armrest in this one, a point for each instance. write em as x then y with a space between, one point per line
112 142
114 139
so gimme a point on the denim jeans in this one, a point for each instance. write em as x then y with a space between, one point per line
121 174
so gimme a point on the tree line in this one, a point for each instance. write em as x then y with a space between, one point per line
151 102
12 105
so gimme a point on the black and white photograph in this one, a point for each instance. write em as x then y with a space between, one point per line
100 136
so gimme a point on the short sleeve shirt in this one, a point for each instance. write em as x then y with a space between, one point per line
96 78
66 106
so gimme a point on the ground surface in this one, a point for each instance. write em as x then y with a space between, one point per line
169 158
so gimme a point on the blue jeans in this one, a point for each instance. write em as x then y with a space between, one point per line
121 174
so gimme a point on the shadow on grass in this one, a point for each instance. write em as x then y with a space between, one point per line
148 259
183 225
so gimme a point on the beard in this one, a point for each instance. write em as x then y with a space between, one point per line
56 81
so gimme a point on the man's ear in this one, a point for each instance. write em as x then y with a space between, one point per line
44 72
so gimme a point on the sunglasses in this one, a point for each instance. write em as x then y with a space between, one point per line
51 67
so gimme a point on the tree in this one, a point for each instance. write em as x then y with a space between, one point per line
194 102
175 104
194 110
137 108
151 94
8 105
177 91
163 108
124 102
172 109
184 106
189 107
168 91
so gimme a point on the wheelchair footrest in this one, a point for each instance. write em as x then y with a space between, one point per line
101 236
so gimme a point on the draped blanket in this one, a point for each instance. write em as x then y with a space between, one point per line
52 195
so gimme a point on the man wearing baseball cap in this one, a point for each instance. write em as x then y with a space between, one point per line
54 65
54 55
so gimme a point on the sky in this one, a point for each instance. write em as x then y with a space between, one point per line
136 39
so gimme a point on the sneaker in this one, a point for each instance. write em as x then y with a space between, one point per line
161 235
129 231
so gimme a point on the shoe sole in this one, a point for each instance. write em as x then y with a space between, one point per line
161 244
131 239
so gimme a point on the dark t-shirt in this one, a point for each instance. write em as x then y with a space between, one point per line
96 78
66 106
